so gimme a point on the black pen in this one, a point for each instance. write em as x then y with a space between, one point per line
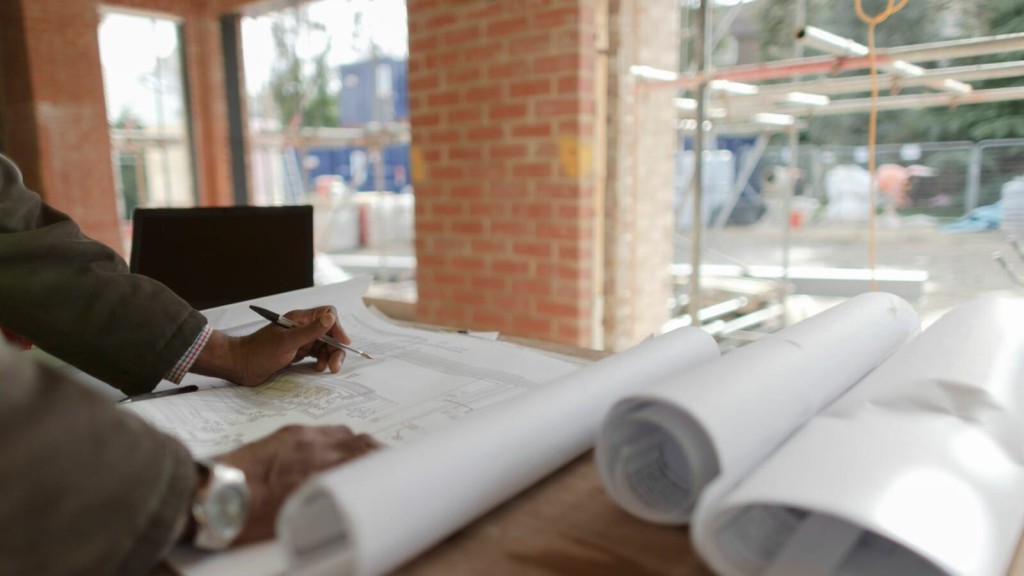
289 323
161 394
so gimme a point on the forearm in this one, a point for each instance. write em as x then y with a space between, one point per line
87 488
221 358
74 297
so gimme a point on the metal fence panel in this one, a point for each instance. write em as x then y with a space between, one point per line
998 161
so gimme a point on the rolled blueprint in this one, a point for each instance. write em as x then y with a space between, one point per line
372 515
918 470
657 450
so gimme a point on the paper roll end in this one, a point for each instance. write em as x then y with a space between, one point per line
314 534
654 461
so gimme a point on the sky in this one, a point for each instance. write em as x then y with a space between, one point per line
129 49
382 20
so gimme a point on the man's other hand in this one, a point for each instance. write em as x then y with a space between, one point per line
277 464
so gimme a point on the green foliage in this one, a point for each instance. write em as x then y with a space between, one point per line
301 88
127 119
920 21
132 168
983 121
778 28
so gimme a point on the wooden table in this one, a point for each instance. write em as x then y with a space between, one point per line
566 524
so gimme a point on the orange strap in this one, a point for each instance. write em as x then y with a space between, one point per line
873 21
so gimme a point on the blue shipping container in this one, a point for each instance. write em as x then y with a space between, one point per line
358 83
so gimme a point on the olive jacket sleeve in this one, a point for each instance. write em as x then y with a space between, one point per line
87 488
74 297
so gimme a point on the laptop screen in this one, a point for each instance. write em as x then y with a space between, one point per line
217 256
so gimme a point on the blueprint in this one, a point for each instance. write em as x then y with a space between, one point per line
417 382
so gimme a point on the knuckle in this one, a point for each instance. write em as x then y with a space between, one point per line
300 436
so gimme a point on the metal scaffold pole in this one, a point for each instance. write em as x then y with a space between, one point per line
701 58
787 215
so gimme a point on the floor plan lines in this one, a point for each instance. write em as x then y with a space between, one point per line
438 351
305 394
418 381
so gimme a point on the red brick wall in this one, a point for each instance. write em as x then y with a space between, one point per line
17 112
501 98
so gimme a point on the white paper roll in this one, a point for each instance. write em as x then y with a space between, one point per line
656 451
372 515
920 467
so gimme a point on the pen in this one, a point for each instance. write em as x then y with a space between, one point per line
289 323
161 394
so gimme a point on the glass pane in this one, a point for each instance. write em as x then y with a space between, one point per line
145 97
328 125
937 220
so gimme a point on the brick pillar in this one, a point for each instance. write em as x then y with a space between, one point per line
54 118
204 61
502 108
641 166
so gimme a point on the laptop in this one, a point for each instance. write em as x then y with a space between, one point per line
217 256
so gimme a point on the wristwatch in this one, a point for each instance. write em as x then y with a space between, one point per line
221 505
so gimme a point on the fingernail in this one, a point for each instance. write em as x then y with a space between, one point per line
327 320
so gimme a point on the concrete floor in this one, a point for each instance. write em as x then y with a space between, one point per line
959 266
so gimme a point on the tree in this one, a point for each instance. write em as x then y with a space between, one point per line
127 119
917 22
130 164
301 84
998 119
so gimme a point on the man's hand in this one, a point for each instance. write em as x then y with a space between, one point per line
277 464
250 360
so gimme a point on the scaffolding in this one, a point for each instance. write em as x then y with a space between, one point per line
773 97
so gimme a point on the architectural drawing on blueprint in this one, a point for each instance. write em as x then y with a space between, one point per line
418 382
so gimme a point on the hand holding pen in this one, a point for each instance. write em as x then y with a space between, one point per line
286 322
251 359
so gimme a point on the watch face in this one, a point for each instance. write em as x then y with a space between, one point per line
226 510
